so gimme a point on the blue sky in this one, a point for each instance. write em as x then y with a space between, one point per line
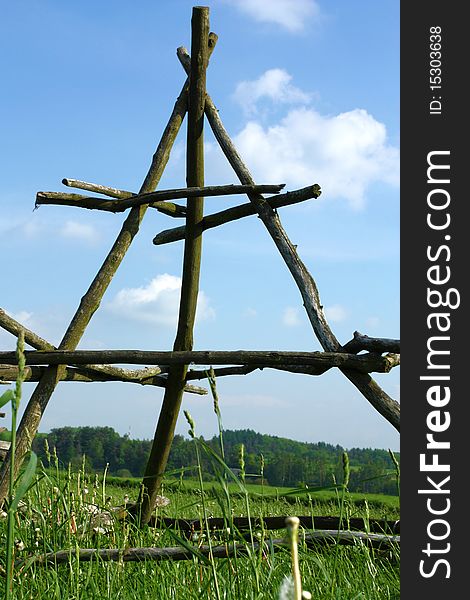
309 92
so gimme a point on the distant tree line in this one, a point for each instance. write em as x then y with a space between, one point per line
279 461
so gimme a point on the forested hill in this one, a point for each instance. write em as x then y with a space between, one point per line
283 462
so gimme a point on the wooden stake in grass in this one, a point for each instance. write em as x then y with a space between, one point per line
191 263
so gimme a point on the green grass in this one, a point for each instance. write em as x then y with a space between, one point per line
43 524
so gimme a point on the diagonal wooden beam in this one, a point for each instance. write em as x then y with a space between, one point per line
380 400
238 212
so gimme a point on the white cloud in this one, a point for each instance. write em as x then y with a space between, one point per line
344 153
274 84
335 313
157 302
73 230
250 313
289 14
290 316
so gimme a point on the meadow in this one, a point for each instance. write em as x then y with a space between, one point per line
71 510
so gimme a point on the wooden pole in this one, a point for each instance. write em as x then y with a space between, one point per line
364 363
311 540
155 199
191 264
9 374
380 400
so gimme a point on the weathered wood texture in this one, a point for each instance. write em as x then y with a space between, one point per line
115 206
365 363
168 208
106 190
152 198
238 212
380 400
311 540
189 526
9 373
92 298
371 344
169 412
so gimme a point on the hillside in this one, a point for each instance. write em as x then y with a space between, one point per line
282 462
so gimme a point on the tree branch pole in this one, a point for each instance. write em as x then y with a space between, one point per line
115 206
364 363
156 199
380 400
92 299
167 208
106 190
172 399
238 212
9 373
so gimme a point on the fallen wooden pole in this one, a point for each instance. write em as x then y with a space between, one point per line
238 212
311 540
364 363
276 522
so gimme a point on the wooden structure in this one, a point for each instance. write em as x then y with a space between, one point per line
49 365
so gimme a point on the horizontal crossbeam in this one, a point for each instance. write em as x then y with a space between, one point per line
365 363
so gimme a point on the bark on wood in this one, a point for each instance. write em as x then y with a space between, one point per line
371 344
277 522
114 206
92 299
312 540
238 212
97 188
9 373
393 360
380 400
166 424
155 199
365 363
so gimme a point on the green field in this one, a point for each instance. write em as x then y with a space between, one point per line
54 515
